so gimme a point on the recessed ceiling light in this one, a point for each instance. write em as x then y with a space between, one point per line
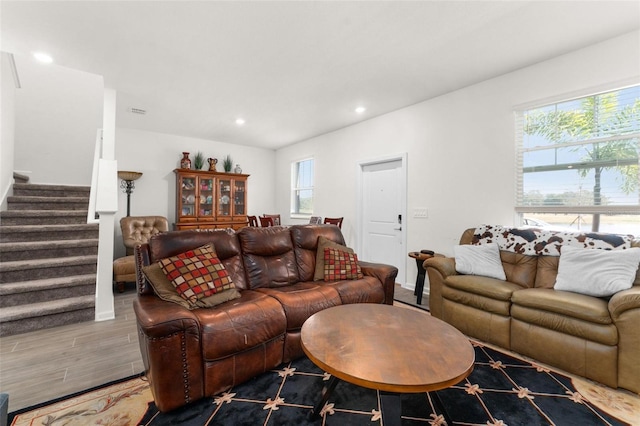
43 57
240 121
360 110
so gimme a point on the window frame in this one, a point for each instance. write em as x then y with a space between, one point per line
294 209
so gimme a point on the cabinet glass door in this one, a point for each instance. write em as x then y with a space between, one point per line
188 196
224 198
239 198
207 194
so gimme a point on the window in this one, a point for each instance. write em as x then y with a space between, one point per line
302 187
577 162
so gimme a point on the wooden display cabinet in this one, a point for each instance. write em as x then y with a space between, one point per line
210 199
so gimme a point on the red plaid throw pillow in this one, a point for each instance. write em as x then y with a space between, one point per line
197 273
340 265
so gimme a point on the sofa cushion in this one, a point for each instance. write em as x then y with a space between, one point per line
324 243
305 242
586 308
268 256
483 293
340 265
577 315
365 290
240 325
546 272
483 260
598 273
519 268
166 291
196 273
301 300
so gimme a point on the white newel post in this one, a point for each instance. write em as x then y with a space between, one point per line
106 207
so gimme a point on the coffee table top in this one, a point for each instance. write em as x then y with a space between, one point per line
387 348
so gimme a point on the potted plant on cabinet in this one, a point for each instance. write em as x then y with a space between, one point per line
227 163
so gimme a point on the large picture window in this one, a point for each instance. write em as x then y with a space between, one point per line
578 162
302 187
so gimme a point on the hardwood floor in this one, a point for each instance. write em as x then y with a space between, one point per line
46 364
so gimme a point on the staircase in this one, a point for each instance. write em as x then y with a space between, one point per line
48 258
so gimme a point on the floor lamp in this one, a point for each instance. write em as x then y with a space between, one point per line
127 185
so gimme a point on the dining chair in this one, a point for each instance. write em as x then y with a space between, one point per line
266 221
253 220
315 220
275 217
334 221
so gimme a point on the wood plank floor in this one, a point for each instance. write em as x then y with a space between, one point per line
46 364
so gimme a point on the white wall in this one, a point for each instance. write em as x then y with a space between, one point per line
58 112
7 126
461 147
156 155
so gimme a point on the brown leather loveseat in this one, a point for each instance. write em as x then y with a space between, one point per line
594 337
190 354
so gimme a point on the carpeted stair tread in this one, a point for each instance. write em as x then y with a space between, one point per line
46 245
46 283
47 263
43 217
44 199
50 187
14 313
19 178
43 213
49 228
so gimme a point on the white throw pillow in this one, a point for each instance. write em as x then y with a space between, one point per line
482 260
595 272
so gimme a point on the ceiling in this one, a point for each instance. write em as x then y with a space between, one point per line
296 69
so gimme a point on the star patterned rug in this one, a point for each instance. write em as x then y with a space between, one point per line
501 390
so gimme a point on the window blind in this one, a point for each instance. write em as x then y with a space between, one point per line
580 155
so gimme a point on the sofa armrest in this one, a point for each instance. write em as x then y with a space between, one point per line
169 335
624 308
386 274
438 269
624 301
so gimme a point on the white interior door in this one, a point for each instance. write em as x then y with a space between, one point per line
382 189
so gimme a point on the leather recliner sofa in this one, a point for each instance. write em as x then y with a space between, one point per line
190 354
596 338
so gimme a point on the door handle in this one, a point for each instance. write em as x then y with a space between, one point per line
398 229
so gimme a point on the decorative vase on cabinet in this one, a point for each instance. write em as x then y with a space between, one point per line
185 162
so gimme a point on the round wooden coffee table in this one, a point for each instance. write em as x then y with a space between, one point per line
387 348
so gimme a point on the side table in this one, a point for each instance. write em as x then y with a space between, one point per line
420 258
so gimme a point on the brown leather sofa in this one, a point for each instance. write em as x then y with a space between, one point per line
597 338
190 354
135 230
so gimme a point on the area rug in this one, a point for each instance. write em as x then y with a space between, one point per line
502 390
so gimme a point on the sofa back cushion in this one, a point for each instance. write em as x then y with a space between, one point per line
546 266
225 242
519 268
305 243
268 256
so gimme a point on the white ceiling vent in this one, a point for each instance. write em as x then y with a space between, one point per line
138 111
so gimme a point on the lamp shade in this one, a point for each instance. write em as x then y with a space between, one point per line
125 175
